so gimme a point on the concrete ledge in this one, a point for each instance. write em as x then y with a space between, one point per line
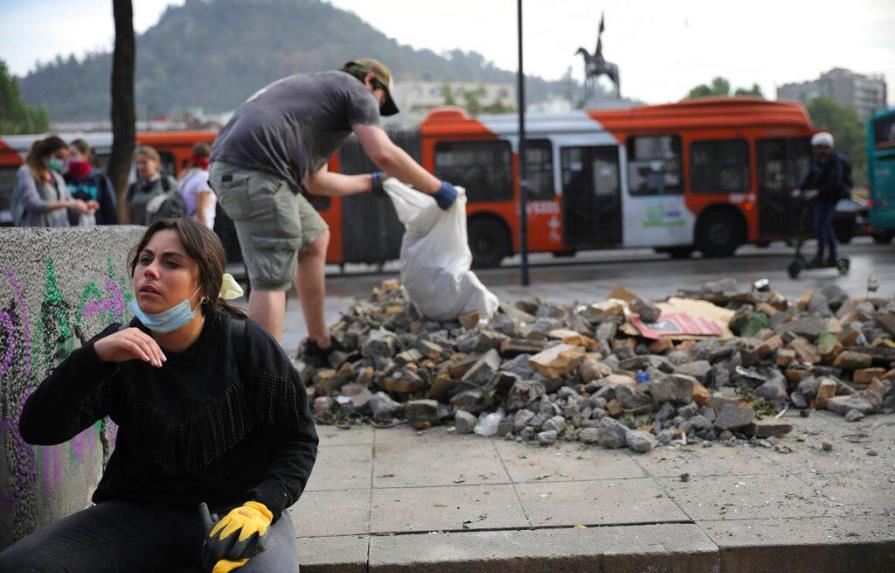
346 554
858 544
673 548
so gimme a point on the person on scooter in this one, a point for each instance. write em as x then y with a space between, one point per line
823 186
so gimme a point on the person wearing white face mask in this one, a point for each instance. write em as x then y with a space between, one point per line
41 198
210 414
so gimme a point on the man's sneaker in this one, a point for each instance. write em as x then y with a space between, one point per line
311 354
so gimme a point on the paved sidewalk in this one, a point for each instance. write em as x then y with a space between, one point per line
399 500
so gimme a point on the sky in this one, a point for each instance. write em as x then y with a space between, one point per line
663 48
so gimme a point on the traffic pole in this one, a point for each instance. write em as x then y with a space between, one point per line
523 186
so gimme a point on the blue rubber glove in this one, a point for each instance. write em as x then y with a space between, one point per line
446 196
377 179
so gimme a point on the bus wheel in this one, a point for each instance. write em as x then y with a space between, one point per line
488 242
719 234
883 237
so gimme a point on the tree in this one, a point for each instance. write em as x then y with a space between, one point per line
848 131
448 95
720 87
15 116
473 100
124 113
755 90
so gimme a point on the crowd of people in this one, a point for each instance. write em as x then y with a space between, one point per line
61 185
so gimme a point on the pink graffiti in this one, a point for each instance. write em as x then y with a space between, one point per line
115 302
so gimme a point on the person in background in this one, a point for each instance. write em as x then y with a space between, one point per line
278 143
826 182
86 182
150 182
200 200
210 414
41 198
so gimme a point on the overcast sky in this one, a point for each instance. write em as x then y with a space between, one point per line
663 48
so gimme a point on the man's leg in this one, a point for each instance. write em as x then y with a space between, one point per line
268 308
107 538
310 284
829 212
280 554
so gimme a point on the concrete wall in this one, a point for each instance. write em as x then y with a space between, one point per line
58 288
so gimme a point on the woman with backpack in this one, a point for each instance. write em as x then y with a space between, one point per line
153 194
199 199
41 198
88 183
210 414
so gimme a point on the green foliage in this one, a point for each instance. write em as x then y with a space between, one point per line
720 87
848 131
472 99
15 116
448 95
214 54
755 90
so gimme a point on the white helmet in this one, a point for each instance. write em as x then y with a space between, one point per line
822 138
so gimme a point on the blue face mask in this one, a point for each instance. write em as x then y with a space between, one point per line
56 164
167 320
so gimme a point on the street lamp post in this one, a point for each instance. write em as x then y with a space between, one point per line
523 185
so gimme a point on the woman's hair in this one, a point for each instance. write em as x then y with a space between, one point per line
84 148
149 152
201 149
201 245
40 150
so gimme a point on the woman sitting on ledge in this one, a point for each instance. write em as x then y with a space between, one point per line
209 410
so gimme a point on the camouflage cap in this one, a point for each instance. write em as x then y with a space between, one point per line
383 76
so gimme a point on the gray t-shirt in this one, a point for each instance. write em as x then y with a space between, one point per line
291 127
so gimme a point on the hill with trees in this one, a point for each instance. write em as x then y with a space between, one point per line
213 54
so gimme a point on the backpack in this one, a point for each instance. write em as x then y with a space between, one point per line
166 204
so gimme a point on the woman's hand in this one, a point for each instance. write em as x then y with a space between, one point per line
79 206
129 344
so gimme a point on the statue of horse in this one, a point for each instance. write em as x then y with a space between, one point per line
595 65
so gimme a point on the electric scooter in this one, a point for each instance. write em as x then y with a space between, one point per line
799 263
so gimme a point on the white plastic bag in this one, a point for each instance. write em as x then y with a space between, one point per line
435 256
488 424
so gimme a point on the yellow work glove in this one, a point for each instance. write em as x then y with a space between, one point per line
234 539
224 566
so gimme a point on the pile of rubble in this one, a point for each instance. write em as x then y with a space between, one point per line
600 374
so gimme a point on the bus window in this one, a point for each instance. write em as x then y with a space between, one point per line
539 169
720 166
483 168
654 165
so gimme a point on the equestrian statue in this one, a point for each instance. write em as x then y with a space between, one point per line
595 65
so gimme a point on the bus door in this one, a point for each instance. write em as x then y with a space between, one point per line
592 209
655 210
782 164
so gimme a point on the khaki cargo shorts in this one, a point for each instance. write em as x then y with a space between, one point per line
273 223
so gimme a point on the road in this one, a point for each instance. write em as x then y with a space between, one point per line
590 276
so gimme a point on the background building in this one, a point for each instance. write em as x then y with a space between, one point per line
865 93
416 98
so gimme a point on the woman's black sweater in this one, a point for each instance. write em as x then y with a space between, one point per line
224 422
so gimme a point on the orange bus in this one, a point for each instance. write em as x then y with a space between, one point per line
708 175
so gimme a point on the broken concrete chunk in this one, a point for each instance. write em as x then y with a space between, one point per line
673 388
849 360
843 404
641 442
464 422
558 360
421 412
772 428
612 434
483 370
733 417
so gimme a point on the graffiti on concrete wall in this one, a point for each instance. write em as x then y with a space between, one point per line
31 344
